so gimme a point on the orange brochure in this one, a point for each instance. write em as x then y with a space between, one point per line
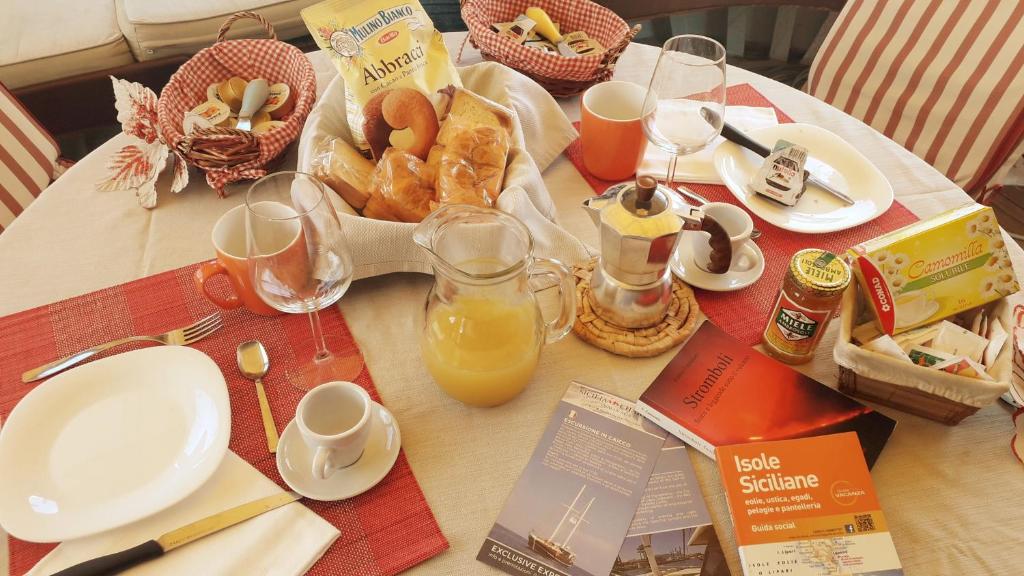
806 507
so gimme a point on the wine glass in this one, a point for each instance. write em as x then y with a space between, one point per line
300 262
685 104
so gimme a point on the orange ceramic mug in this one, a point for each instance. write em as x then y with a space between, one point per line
610 129
232 261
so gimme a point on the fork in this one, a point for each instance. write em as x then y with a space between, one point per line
182 336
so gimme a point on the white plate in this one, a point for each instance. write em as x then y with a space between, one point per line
817 211
295 463
111 442
685 268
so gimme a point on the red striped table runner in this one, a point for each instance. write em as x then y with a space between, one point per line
383 531
744 313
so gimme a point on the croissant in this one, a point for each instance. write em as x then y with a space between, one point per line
472 165
400 191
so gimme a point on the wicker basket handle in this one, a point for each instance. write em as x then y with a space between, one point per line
247 14
612 55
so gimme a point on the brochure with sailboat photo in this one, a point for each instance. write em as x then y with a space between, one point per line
570 510
671 533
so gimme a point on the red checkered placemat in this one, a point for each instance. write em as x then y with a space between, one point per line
744 313
383 531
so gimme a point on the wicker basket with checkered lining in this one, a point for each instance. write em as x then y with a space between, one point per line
559 75
225 154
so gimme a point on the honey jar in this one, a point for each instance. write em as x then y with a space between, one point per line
810 295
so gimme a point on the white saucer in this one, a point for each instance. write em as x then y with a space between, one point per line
294 461
684 267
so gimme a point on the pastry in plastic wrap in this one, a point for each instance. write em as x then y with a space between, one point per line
400 191
470 108
337 164
472 165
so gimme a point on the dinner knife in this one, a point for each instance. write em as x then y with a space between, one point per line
125 559
731 134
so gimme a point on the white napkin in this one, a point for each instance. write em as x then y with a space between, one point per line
284 541
541 131
699 167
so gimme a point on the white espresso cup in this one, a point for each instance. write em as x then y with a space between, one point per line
334 421
737 224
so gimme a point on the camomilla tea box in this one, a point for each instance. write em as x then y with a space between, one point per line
934 268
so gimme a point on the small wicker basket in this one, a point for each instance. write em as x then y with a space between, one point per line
225 154
561 76
925 392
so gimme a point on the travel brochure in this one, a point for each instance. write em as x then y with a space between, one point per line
806 507
671 533
717 392
610 489
606 492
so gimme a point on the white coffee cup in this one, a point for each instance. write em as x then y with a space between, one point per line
737 224
334 421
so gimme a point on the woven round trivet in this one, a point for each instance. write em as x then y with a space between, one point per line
634 342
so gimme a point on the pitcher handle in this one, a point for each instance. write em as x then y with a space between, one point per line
560 326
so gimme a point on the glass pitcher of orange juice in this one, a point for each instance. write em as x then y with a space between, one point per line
484 329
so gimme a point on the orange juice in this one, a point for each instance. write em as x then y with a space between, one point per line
482 351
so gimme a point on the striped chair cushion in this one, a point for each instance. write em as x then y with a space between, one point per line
28 156
941 77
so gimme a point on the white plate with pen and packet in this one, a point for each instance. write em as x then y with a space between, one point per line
830 158
111 442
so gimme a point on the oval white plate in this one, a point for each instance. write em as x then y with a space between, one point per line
111 442
817 211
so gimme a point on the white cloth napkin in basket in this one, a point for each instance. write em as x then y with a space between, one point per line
541 132
286 541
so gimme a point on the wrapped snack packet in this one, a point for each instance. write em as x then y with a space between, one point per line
337 164
959 341
583 44
520 30
996 339
378 45
963 366
925 356
472 165
781 177
886 345
401 191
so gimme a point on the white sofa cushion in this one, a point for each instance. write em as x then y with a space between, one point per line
49 39
160 29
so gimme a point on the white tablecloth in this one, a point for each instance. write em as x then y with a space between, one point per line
950 493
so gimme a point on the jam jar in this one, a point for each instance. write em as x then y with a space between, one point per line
809 297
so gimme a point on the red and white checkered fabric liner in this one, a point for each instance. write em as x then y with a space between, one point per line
598 22
263 58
